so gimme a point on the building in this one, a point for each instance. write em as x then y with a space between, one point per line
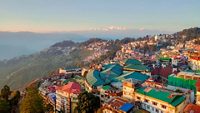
107 92
188 75
198 92
160 101
191 108
195 63
118 105
134 65
96 78
66 97
128 90
155 100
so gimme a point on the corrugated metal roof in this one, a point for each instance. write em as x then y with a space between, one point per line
132 61
162 95
136 67
94 79
126 107
134 75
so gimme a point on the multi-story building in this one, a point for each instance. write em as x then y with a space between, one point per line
188 75
195 63
128 90
66 97
155 100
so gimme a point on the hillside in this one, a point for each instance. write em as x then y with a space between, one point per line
19 71
188 34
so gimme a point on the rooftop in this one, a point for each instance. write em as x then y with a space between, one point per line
134 75
116 102
161 95
133 64
126 107
192 108
132 61
71 87
165 59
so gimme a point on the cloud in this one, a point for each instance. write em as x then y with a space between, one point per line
141 29
109 28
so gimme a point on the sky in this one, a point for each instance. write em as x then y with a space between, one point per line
98 15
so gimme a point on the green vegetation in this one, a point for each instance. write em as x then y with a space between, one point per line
8 100
188 34
19 72
32 101
87 103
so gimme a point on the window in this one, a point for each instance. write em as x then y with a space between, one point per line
157 111
145 100
163 106
138 98
148 107
154 103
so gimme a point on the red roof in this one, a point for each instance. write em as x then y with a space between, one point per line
192 108
71 87
163 71
198 85
195 58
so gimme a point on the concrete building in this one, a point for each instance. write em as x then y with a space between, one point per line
66 97
155 100
188 75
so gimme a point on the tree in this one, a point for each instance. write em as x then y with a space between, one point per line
32 102
88 103
5 92
15 98
4 106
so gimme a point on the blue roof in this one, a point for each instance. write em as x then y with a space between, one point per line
126 107
52 96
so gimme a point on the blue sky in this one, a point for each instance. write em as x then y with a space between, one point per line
85 15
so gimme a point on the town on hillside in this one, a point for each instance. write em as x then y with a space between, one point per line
156 74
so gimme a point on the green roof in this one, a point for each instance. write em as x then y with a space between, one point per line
134 75
93 78
134 64
136 67
132 61
107 87
197 72
161 95
97 78
181 82
165 58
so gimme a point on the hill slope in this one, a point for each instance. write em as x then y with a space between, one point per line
19 71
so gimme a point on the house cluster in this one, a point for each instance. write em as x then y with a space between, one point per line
152 43
130 86
98 48
62 88
165 81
